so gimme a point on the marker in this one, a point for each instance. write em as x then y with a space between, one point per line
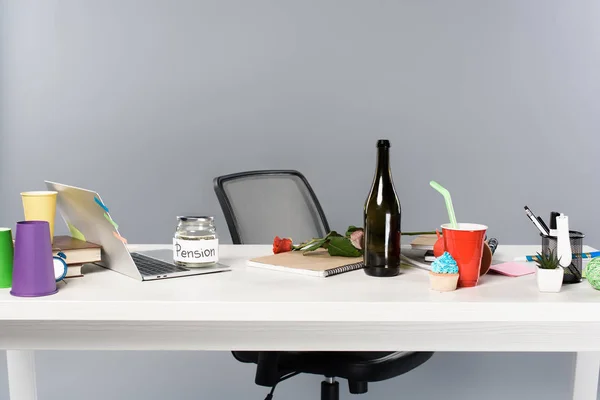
593 254
535 221
493 243
541 221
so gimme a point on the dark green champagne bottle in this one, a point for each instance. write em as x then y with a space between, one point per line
382 220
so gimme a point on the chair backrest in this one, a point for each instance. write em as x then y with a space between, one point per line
259 205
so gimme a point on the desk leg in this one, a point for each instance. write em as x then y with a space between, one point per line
585 382
21 375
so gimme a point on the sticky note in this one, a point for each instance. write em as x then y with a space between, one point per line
97 200
75 232
121 238
109 219
513 269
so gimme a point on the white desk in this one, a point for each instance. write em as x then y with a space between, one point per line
255 309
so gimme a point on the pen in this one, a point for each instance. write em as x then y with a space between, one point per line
535 221
581 255
541 221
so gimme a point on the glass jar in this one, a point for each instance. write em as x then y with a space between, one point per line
195 243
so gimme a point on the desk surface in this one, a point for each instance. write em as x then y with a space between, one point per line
250 308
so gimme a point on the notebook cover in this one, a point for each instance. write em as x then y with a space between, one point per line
316 263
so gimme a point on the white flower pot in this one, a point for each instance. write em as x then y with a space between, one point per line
549 280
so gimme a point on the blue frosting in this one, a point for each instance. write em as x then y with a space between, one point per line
444 264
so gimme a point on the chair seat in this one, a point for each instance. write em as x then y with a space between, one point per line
353 366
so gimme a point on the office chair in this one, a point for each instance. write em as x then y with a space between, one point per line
261 204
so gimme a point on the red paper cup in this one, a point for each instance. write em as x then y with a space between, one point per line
465 245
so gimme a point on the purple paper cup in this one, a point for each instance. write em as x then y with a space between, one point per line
33 267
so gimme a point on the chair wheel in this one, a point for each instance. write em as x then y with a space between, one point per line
358 387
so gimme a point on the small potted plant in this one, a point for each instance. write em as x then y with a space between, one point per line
549 272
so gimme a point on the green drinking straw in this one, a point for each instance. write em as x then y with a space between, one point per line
444 192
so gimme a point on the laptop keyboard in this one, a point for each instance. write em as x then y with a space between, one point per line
149 266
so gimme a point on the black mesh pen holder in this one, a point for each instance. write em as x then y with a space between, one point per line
573 271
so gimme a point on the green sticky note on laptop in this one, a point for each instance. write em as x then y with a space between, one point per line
75 232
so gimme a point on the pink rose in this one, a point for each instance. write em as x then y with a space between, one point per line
357 238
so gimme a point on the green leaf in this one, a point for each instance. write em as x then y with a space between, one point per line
316 243
351 229
547 260
304 244
341 246
313 246
332 234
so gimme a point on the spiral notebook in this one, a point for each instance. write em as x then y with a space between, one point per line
316 263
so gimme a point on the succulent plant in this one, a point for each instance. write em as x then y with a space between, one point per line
547 261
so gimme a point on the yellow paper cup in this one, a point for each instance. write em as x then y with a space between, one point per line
40 206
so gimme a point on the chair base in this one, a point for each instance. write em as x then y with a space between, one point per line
330 390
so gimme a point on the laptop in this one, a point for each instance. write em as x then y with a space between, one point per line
88 218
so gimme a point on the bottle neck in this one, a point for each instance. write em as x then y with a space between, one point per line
383 162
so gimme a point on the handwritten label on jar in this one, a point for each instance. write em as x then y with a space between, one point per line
196 251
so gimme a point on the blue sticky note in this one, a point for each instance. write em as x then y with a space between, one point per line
97 200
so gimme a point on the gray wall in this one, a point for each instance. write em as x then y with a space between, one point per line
147 101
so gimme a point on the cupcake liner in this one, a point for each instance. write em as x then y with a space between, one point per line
443 282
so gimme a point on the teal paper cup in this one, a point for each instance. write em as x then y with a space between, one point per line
6 257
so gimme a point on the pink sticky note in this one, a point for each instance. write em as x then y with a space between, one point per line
513 269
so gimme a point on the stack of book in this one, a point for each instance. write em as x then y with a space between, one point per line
77 253
425 243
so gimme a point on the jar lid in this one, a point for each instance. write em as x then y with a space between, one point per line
196 218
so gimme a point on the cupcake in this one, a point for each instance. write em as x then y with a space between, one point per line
443 276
